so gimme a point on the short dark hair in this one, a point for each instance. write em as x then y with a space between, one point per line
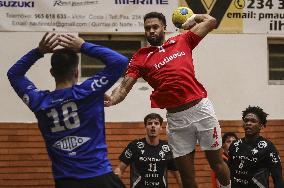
258 112
158 15
64 62
153 116
228 135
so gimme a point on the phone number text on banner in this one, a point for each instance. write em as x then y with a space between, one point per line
81 15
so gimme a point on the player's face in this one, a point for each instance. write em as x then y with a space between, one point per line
154 31
228 142
153 127
251 125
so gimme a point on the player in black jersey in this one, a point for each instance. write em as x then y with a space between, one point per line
253 158
149 158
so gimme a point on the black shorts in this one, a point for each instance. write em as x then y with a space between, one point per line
109 180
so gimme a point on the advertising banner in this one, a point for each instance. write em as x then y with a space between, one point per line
81 15
243 16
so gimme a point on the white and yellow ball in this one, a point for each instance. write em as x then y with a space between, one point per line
180 15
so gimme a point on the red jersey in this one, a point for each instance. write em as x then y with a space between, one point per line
169 71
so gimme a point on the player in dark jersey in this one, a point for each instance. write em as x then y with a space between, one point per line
167 66
253 158
149 158
71 118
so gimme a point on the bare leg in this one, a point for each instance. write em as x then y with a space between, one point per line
185 165
218 165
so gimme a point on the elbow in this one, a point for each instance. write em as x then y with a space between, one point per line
123 64
10 74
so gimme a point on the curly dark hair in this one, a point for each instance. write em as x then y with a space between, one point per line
258 112
153 116
158 15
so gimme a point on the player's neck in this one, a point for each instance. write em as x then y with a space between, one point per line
253 138
63 85
154 141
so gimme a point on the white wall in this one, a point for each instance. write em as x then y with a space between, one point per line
13 46
232 67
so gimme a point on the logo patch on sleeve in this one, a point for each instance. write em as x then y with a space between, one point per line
128 153
98 83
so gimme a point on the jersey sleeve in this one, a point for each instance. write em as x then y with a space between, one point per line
192 39
24 88
171 165
135 66
128 154
116 65
275 167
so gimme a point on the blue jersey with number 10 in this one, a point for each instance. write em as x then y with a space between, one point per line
72 120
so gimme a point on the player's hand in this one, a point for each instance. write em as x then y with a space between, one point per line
48 43
189 23
107 101
70 41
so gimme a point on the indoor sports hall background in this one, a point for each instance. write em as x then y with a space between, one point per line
241 63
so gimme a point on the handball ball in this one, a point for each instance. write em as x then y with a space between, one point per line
180 15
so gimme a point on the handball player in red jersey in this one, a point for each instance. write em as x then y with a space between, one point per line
168 68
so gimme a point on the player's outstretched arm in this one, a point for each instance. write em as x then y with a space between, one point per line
115 62
200 24
119 170
120 92
16 74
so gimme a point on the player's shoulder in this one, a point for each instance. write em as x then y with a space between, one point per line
87 88
140 55
261 138
36 99
143 52
163 142
137 144
263 142
164 145
138 141
179 38
181 35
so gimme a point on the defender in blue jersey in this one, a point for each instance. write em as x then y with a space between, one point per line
71 118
